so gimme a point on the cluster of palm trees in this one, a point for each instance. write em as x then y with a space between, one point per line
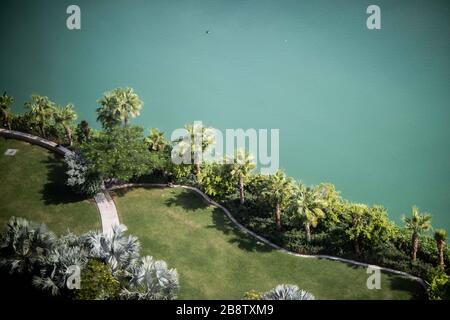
29 248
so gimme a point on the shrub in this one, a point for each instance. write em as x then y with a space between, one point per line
287 292
438 285
97 283
82 180
253 295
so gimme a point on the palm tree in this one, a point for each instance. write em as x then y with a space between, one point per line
194 144
440 235
41 108
5 108
23 244
278 190
151 280
119 105
309 207
417 224
115 248
83 131
156 141
287 292
66 116
242 166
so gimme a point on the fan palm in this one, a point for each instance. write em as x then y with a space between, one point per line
23 244
155 140
151 280
417 224
66 116
309 207
278 190
5 108
241 168
41 108
287 292
440 235
116 248
119 105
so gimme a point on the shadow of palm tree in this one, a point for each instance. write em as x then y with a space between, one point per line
55 191
241 239
187 200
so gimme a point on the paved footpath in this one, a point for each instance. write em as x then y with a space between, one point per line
108 211
105 205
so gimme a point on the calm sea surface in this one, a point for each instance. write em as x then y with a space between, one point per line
366 110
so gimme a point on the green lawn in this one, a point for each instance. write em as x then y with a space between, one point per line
32 186
216 261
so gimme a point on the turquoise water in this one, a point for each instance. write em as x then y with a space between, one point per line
365 110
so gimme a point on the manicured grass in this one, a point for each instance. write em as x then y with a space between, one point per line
32 186
217 261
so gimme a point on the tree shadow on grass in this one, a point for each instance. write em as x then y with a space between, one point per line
409 285
244 241
187 200
55 191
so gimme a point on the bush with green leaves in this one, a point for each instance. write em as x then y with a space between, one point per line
438 285
97 283
82 180
216 179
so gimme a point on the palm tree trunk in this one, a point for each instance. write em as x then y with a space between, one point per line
69 135
241 188
278 216
357 247
415 245
308 231
125 120
42 129
440 246
197 168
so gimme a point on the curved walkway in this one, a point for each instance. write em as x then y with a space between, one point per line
110 218
105 205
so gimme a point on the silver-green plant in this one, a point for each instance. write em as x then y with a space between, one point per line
287 292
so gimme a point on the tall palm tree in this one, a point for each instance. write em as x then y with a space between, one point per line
66 116
156 141
194 144
119 105
278 190
417 224
309 207
242 166
440 235
41 108
5 108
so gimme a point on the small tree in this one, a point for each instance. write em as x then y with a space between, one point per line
308 207
119 154
440 235
83 132
42 110
243 165
278 191
418 223
156 141
5 109
367 225
66 116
